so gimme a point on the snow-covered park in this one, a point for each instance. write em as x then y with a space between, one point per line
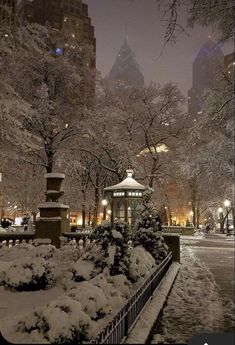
51 295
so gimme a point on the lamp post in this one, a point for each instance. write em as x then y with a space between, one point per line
227 204
104 203
220 210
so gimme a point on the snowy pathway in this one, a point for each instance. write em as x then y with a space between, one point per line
196 304
218 254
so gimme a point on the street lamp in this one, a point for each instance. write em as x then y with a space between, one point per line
104 203
227 204
221 216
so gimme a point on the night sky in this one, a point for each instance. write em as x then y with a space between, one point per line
141 20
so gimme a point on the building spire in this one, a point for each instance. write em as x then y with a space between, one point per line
126 32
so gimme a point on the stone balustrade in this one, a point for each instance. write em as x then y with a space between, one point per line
181 230
14 238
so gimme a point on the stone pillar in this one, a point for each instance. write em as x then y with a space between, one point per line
173 242
53 220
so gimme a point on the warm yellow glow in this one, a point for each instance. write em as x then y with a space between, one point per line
104 202
79 221
158 148
227 203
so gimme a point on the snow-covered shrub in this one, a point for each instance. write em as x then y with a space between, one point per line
84 269
142 263
116 298
110 251
148 230
16 252
61 321
92 299
121 283
26 274
114 244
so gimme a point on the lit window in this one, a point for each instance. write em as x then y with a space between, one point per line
73 35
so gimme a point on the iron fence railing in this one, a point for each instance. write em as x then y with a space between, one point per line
117 329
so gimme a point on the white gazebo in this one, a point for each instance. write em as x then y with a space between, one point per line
125 198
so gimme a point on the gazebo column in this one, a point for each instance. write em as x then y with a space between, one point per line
126 210
112 212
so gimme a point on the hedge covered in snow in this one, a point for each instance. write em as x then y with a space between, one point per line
26 274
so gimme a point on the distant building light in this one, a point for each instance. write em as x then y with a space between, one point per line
189 97
199 112
229 72
6 35
59 51
73 35
66 125
65 19
233 63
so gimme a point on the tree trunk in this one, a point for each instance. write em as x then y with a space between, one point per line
89 216
50 154
233 217
97 199
34 217
83 208
197 217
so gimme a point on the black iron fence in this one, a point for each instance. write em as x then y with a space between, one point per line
116 331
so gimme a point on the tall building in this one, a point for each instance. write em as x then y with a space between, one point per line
71 17
125 71
207 66
7 12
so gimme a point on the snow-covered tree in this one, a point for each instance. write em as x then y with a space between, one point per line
217 15
148 229
45 89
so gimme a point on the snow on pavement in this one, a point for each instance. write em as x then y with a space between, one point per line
194 305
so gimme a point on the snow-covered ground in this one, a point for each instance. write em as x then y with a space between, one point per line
194 305
50 295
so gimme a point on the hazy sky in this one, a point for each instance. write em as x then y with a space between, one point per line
145 35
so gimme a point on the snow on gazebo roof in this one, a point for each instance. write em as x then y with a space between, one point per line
128 183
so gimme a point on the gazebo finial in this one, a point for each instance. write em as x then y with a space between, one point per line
130 172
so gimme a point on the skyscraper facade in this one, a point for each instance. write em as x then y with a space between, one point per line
207 66
126 71
71 17
7 12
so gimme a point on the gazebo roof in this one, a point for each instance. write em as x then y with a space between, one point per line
127 184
